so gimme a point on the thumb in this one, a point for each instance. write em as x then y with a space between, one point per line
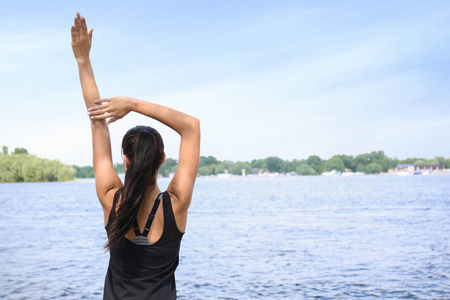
90 34
112 120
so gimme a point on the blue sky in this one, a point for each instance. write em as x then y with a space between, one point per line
266 78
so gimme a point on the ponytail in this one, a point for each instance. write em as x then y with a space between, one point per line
144 148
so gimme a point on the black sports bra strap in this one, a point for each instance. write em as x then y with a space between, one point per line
152 215
150 219
136 228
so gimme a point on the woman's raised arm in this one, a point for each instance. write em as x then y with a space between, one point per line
188 127
106 179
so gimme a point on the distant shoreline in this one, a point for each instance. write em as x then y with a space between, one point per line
86 180
19 166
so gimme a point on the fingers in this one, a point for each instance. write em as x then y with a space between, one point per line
100 117
80 26
96 112
72 32
97 107
78 23
77 27
83 26
102 100
90 34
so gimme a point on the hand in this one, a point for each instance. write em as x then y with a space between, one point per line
114 108
81 39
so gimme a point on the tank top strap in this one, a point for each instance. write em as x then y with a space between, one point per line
115 200
169 218
112 213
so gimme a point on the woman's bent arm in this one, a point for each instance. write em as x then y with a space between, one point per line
106 179
187 126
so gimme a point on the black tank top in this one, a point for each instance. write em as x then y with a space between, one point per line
139 271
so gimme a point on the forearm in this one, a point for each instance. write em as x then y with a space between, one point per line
100 131
88 85
178 121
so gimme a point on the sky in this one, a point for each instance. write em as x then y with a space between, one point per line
266 78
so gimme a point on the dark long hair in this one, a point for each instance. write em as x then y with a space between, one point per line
144 148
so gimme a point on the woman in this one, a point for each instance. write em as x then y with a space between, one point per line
144 225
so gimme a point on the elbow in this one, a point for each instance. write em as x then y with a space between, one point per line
193 127
195 124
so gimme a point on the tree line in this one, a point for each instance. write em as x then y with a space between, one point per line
369 163
20 166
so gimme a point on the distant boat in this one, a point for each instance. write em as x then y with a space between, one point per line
424 172
402 173
353 174
224 175
331 173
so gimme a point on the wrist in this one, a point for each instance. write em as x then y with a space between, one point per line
133 104
83 61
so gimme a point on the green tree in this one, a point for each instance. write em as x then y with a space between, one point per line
119 167
440 160
290 166
5 150
384 162
236 169
420 162
205 171
447 163
408 161
258 163
84 172
304 169
16 168
221 167
169 166
378 157
348 161
335 163
5 168
205 161
20 151
26 168
51 170
361 168
373 168
33 169
316 163
65 172
394 163
362 160
274 164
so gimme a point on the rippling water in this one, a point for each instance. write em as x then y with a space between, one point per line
247 238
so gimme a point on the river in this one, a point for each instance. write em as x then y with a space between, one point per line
313 237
